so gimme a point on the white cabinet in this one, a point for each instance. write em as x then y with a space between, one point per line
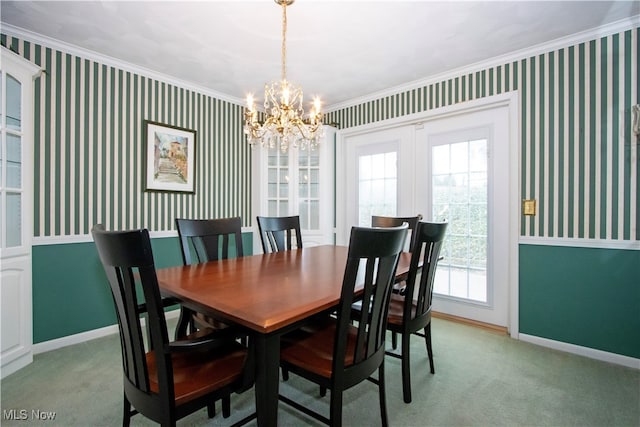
297 182
16 210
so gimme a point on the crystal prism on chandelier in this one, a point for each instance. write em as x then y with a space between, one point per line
285 123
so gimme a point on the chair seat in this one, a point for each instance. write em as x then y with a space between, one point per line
312 348
198 373
396 309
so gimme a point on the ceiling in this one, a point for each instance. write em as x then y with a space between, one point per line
339 50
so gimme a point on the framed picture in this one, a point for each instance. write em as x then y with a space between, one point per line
169 158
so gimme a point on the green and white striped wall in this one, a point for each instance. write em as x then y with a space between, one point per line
579 159
579 156
89 147
579 256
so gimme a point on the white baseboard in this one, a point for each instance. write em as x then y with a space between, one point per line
591 353
16 365
45 346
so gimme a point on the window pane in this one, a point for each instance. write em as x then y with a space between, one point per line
303 158
459 157
284 208
378 166
273 158
14 219
304 214
1 106
314 215
314 158
478 187
440 160
272 207
284 190
14 104
365 167
478 156
478 219
14 161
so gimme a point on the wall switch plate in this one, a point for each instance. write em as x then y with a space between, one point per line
529 207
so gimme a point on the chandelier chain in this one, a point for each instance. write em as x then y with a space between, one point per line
284 40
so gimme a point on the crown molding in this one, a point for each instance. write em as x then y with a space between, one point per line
12 30
573 39
599 32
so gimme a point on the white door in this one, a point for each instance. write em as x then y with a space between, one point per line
465 181
376 173
16 216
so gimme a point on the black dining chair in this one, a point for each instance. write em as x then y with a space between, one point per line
203 240
165 380
279 233
410 313
339 354
396 221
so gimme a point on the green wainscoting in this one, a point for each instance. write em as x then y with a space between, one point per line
70 291
583 296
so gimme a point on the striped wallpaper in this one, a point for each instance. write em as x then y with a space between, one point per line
579 156
89 148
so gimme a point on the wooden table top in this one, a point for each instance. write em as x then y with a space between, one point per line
265 292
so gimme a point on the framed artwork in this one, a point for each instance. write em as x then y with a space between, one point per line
169 161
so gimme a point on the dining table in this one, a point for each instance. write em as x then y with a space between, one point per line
269 295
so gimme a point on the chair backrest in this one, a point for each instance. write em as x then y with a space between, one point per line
127 259
204 240
396 221
429 239
371 262
277 233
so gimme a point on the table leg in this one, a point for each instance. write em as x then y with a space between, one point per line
267 378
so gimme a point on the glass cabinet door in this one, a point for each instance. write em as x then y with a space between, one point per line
298 182
11 190
16 210
277 183
309 189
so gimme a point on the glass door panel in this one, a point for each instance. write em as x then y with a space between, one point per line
459 195
377 186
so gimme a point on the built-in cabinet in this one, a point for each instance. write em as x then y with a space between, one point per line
297 182
16 210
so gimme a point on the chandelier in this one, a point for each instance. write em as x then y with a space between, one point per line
285 123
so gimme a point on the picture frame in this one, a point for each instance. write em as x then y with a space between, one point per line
169 159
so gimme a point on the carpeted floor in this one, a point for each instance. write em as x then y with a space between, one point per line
482 379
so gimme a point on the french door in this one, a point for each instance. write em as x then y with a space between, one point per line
465 181
454 169
377 177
